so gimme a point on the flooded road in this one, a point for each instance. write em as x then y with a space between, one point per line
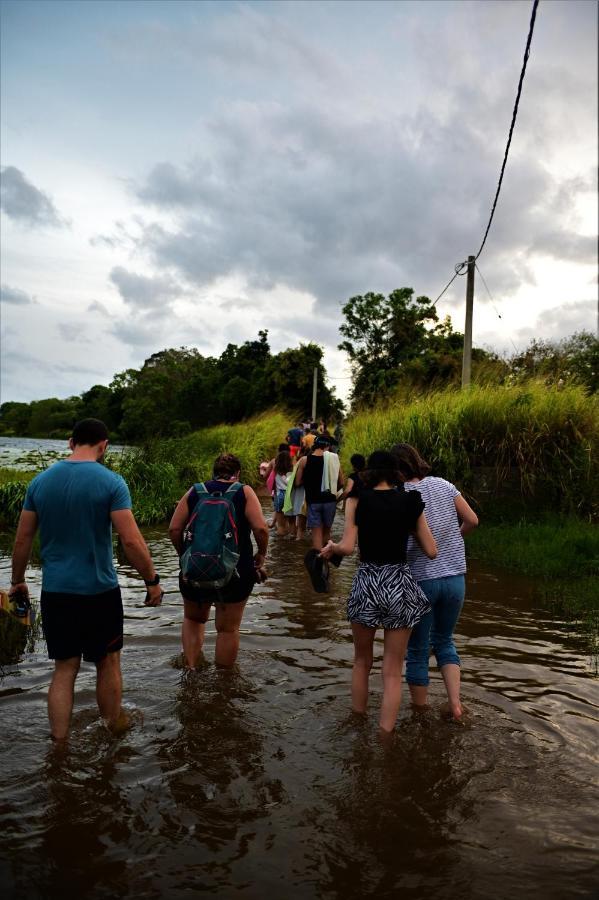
260 783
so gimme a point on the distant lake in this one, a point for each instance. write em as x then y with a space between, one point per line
35 453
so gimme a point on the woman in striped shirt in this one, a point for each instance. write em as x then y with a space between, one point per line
442 579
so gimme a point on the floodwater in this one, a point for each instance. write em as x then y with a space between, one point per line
260 783
35 453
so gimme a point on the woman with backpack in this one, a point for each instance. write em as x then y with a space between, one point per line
211 531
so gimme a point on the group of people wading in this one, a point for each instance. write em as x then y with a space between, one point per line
408 524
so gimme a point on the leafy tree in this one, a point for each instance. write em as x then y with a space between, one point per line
382 334
575 358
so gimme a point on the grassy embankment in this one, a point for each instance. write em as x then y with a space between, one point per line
159 473
527 458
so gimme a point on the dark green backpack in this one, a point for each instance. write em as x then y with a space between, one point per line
210 539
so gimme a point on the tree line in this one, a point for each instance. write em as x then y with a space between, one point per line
393 342
179 390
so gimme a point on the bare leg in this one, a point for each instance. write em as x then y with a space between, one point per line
363 641
195 616
61 695
419 695
291 526
281 524
301 527
109 689
317 537
451 677
326 534
228 619
396 642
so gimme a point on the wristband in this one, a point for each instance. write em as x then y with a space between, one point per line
155 580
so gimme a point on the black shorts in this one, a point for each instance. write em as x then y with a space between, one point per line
236 591
87 625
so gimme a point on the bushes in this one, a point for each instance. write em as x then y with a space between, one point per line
543 438
159 473
12 495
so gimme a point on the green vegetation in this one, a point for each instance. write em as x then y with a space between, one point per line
159 473
177 391
512 449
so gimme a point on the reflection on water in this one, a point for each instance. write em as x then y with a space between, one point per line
260 782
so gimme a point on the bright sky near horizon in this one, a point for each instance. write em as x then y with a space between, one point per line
187 173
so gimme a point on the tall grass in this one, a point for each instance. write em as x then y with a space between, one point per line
159 473
545 439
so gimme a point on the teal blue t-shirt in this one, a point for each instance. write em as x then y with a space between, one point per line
73 502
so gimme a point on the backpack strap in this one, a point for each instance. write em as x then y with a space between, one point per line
200 488
233 488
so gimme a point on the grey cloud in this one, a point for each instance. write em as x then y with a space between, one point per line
96 306
14 296
336 206
72 331
554 323
24 203
142 291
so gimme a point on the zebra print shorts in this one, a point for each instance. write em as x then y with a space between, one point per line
386 596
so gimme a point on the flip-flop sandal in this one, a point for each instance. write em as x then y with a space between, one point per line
318 570
336 559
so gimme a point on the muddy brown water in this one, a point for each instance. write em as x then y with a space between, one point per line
259 783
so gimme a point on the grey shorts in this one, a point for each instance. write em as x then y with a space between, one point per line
321 515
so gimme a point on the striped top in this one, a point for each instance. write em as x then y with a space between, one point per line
442 518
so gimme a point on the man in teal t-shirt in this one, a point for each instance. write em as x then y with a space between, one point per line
74 504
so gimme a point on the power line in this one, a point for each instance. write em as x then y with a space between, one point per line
493 303
514 114
451 280
459 269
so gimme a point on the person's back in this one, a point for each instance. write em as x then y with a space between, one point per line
73 502
439 498
312 480
74 505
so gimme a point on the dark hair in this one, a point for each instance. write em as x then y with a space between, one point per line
283 448
226 465
89 431
381 466
409 462
283 463
358 462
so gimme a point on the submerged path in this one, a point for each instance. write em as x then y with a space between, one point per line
258 783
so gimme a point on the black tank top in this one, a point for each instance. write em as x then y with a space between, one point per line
313 480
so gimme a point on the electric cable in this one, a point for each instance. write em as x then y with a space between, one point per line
493 303
514 115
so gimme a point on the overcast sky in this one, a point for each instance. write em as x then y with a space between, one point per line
188 173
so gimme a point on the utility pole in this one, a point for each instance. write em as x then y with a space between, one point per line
467 355
314 384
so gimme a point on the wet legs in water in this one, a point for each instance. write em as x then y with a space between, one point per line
228 618
109 691
451 677
300 522
61 696
195 616
396 642
320 536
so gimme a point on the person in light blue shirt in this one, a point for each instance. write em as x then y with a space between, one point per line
75 503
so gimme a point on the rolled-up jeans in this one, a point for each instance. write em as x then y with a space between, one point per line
435 629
